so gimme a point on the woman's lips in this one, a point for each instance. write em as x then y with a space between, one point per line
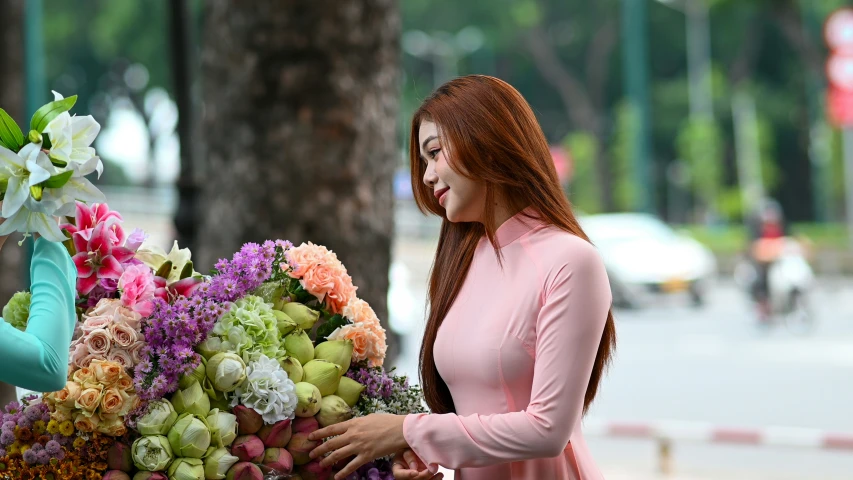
442 195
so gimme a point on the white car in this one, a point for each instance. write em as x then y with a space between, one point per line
644 257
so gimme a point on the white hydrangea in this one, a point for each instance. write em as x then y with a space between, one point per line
267 390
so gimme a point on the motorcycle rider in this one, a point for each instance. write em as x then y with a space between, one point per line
766 229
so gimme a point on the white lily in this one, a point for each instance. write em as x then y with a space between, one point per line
22 170
71 139
154 257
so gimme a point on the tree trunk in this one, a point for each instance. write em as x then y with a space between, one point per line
12 100
300 122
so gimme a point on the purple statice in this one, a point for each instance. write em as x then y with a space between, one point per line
385 392
247 270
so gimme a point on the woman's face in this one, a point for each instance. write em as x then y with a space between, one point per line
463 199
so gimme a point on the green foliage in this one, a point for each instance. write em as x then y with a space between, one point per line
622 169
700 144
583 189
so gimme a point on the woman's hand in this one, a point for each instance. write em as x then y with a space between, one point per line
407 466
365 438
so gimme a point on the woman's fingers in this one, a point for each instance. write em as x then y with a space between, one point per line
351 467
411 459
328 446
337 455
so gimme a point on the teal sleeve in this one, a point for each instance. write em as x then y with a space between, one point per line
37 359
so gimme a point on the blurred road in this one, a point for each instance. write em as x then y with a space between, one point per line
711 365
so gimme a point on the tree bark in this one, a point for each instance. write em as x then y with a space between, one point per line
12 100
301 101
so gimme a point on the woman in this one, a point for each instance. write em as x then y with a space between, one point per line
519 329
37 359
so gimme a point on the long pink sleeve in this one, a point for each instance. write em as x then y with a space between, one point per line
575 301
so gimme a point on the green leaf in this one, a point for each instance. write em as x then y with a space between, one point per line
330 326
10 134
47 113
58 181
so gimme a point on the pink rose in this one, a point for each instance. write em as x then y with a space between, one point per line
123 335
106 307
128 317
98 342
121 357
94 323
135 351
137 289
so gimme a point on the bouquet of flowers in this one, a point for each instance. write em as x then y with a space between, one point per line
178 375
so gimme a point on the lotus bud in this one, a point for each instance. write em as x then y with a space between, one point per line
299 346
223 428
338 352
186 469
279 460
333 409
245 471
349 390
210 347
196 375
248 448
217 464
285 323
191 400
299 447
143 475
190 437
324 374
308 399
304 317
248 420
116 475
292 367
226 371
314 471
152 453
159 419
276 435
305 425
119 457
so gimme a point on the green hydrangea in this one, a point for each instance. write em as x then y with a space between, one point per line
250 328
17 311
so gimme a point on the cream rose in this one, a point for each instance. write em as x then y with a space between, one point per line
123 335
68 395
113 400
98 342
106 372
86 423
89 399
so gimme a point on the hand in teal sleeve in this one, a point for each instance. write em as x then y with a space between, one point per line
37 359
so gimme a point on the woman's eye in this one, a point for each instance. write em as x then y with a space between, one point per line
433 153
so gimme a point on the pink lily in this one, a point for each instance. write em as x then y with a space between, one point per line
89 217
168 292
99 256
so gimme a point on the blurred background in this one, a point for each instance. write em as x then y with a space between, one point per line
705 144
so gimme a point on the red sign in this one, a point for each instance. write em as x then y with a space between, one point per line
838 32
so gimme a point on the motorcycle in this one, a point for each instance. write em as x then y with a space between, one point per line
790 281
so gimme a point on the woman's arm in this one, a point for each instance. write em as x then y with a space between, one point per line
37 359
569 329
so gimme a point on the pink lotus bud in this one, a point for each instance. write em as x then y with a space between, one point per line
248 448
299 446
150 476
248 420
279 460
119 457
276 435
244 471
314 471
305 425
116 475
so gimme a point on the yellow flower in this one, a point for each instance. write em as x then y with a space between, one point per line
24 449
66 428
53 427
39 427
13 448
79 442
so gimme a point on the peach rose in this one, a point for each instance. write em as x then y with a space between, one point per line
106 373
124 382
89 399
330 283
98 341
68 395
61 414
86 423
120 357
114 427
307 256
367 345
123 335
85 377
113 400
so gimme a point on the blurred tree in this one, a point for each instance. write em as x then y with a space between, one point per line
11 100
300 124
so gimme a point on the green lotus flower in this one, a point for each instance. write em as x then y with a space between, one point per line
186 469
151 453
190 436
159 419
191 400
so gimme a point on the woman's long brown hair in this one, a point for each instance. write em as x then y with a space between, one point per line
490 135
